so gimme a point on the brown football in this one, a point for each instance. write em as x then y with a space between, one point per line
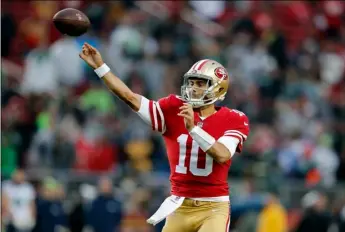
71 22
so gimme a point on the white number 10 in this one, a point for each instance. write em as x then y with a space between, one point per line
193 165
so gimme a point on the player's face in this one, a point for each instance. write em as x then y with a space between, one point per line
197 87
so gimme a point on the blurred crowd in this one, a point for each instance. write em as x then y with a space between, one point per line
287 66
49 205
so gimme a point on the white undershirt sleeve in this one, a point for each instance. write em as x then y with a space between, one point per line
144 111
230 143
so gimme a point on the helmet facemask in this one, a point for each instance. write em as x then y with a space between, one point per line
197 96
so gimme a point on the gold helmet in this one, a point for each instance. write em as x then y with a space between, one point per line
217 83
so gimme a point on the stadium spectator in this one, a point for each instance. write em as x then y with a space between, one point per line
315 217
273 216
19 206
106 205
51 215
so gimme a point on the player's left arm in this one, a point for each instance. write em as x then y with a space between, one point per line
220 150
228 144
224 148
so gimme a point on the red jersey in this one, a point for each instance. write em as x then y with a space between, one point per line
194 174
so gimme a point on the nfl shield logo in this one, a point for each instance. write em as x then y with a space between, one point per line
199 124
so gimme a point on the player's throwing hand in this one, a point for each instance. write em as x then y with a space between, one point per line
186 111
91 56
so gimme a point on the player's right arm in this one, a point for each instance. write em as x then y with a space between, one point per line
150 111
94 59
120 89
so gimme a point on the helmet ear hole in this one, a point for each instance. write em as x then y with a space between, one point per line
220 89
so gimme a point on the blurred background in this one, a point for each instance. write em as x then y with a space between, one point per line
75 158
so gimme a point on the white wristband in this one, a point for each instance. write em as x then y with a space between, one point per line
204 139
102 70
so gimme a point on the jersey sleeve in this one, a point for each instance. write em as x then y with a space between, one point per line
238 127
153 112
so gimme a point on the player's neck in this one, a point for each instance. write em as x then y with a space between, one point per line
206 110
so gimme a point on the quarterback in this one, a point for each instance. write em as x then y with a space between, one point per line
200 140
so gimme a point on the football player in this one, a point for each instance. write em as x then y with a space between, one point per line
200 140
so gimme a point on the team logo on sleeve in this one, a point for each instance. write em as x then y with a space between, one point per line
221 72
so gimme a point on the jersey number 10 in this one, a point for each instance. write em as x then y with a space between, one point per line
193 164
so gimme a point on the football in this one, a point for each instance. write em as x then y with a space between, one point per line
71 22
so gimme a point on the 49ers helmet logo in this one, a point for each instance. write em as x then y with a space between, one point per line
221 72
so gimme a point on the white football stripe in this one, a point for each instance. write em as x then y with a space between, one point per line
234 134
154 116
161 116
236 131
